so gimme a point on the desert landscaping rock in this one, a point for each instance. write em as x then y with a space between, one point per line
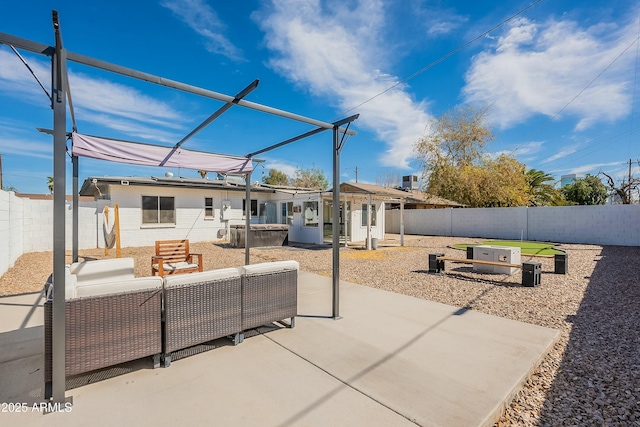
591 377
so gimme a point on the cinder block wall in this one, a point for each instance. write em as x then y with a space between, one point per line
499 223
27 226
599 225
10 229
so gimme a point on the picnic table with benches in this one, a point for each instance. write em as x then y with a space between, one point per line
531 271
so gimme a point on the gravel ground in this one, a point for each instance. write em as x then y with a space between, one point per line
590 377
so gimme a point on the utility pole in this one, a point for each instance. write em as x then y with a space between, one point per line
1 187
356 174
629 182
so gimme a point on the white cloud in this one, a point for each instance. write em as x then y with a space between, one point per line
592 168
438 21
280 165
119 100
110 104
130 127
538 68
204 20
527 148
334 51
26 147
564 152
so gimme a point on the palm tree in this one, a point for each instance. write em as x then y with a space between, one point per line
542 189
50 184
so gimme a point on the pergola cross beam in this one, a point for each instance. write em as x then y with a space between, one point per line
244 92
347 120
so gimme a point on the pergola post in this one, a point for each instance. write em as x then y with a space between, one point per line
336 224
368 242
247 215
58 380
346 222
74 163
402 222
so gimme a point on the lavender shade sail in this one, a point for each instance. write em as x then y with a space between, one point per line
154 155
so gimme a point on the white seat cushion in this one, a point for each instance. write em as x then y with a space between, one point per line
136 284
70 282
104 270
205 276
171 266
270 267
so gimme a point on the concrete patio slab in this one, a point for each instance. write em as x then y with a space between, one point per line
391 360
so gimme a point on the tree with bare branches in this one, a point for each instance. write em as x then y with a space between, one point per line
625 189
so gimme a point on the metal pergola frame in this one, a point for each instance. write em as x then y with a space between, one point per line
59 94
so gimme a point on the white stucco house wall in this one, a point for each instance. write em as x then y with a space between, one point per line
158 208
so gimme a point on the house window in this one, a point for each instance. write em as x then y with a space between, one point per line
158 210
208 207
254 206
364 215
310 214
286 216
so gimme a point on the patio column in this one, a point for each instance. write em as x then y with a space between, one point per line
345 220
401 222
75 213
368 242
247 214
58 101
336 223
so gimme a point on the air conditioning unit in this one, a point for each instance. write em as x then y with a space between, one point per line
410 182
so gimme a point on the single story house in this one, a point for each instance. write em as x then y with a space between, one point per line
158 208
201 209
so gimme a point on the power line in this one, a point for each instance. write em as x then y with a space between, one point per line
635 81
451 53
579 93
586 154
612 138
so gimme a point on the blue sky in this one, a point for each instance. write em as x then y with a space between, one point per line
561 80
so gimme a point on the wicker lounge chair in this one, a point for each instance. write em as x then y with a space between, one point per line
109 319
200 307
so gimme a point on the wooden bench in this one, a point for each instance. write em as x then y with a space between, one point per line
173 257
478 261
531 271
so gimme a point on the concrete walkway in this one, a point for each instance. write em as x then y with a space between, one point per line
391 360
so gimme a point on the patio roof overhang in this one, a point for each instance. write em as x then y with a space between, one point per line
60 94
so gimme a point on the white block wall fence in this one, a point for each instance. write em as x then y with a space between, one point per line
27 226
598 225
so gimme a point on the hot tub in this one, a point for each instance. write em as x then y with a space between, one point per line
260 235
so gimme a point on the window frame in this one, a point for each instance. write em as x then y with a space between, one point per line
254 207
286 213
363 220
209 212
305 221
159 211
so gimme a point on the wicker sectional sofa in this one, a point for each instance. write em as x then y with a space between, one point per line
201 307
112 317
269 293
